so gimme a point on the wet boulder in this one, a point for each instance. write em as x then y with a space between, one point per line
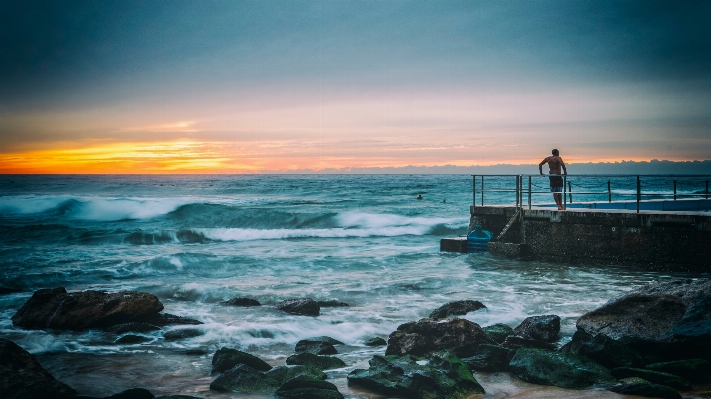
456 308
326 339
639 387
514 342
132 327
332 303
565 370
694 370
242 302
440 375
489 358
22 377
133 393
539 328
55 308
242 378
182 333
227 358
603 349
655 377
315 361
420 338
167 319
315 347
302 307
498 332
306 387
177 397
662 321
377 341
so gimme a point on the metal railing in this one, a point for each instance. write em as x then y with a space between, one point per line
521 188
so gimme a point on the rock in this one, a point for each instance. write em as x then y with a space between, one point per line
426 336
22 377
514 342
489 358
242 378
377 341
498 332
304 307
182 333
283 374
539 328
132 327
603 350
332 303
242 302
694 370
326 339
315 361
442 375
131 339
167 319
560 369
655 377
55 308
662 321
304 387
177 397
226 358
456 308
133 393
315 347
639 387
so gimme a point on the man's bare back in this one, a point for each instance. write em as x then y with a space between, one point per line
555 163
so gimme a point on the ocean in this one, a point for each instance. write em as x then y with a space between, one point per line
195 241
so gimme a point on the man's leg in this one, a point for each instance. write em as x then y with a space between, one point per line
559 200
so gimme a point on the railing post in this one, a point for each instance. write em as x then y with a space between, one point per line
707 189
482 190
474 191
609 192
570 192
674 190
565 203
516 191
529 191
639 192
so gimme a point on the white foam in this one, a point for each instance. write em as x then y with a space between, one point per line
104 208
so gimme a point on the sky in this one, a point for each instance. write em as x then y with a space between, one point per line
269 86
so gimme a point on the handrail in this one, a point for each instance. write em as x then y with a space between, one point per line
567 191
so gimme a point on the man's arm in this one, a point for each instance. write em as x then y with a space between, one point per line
565 172
540 165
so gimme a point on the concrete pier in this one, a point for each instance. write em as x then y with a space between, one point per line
654 240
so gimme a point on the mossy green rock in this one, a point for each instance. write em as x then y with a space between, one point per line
694 370
305 387
315 361
655 377
325 338
498 332
226 358
243 378
441 375
604 350
640 387
565 370
489 358
133 393
377 341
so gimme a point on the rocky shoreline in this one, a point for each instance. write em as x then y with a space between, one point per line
653 342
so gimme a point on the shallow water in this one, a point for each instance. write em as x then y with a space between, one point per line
195 241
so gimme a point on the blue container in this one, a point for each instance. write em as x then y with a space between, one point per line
478 239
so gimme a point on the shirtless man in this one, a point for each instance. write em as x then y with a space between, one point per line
555 162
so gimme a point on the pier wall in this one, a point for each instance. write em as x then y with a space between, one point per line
673 241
